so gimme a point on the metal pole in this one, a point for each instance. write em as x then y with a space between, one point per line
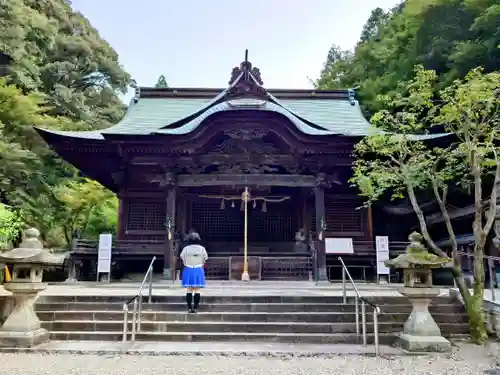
344 286
125 323
134 320
139 310
245 276
357 316
150 291
492 280
375 329
363 321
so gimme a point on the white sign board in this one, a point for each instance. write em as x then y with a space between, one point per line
382 248
104 253
339 246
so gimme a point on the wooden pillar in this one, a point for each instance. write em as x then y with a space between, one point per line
369 218
319 201
121 219
304 211
168 257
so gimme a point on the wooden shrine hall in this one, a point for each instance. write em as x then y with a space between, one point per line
183 158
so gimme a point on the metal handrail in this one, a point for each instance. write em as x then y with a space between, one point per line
137 300
364 301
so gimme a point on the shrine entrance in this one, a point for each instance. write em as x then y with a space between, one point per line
273 221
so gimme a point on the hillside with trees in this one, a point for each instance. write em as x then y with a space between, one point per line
63 76
450 37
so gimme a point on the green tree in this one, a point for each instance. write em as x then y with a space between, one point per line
378 18
78 203
19 167
63 76
400 164
448 36
336 70
10 226
162 82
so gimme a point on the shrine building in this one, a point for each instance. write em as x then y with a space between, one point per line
181 158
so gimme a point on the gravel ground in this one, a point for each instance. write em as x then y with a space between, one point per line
466 359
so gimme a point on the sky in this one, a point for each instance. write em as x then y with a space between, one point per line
196 43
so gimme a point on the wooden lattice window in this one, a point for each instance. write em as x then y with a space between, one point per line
216 224
342 216
146 214
279 223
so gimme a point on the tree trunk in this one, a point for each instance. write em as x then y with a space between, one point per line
473 303
477 324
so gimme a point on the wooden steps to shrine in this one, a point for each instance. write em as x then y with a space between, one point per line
291 319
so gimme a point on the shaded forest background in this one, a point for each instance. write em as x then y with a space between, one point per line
63 75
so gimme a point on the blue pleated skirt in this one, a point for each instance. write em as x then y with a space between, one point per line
193 277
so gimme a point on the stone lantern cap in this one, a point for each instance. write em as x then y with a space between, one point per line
31 251
417 256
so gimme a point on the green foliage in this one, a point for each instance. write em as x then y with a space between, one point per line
10 226
104 219
77 203
63 76
388 162
450 37
397 162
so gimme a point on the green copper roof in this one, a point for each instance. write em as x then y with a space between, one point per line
154 115
180 116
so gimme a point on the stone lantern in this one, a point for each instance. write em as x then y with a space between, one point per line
22 327
420 332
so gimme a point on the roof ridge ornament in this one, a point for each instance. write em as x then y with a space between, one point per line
246 80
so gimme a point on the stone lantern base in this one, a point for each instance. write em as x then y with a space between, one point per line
22 327
11 339
420 332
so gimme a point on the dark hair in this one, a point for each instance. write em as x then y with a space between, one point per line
193 238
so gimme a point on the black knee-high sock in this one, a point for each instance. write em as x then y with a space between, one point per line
197 298
189 300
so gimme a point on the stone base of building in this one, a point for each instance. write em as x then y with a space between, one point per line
425 344
29 339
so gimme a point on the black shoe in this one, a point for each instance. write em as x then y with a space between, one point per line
192 311
189 300
196 300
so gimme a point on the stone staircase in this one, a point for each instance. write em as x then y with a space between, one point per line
290 319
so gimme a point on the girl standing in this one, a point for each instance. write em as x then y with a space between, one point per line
193 256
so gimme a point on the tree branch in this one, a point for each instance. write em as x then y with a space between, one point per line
493 197
446 216
478 199
421 220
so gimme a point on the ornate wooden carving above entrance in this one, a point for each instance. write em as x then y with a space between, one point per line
246 168
244 146
246 180
326 181
163 180
246 134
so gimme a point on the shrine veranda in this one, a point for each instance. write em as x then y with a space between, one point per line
181 158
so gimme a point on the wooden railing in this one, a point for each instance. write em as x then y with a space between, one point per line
267 265
123 247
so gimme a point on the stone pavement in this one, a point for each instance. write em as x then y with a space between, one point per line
248 349
465 360
219 288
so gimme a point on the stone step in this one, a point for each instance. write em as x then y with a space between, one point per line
321 338
243 307
182 316
235 327
229 299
